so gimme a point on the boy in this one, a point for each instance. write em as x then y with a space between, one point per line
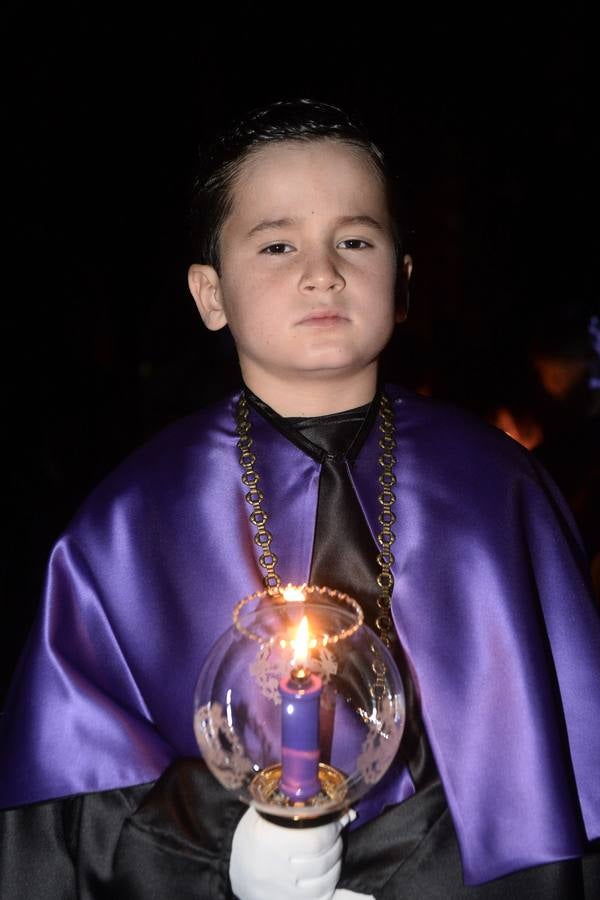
482 601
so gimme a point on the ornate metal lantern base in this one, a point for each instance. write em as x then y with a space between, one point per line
264 789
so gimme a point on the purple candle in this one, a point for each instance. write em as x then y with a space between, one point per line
300 698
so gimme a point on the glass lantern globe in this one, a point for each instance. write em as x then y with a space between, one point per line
242 699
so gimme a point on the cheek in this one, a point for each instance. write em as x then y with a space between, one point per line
380 293
237 299
249 317
245 286
380 274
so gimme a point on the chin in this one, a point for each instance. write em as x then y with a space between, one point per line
333 370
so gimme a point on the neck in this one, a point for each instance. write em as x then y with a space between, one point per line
305 397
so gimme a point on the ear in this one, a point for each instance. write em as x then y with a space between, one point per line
205 287
403 293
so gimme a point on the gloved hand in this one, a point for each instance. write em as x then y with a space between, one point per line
272 862
344 894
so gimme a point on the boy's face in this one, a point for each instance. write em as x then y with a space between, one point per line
308 266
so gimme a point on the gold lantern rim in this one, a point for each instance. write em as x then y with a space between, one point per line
279 600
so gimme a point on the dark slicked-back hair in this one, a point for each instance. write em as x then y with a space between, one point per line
287 120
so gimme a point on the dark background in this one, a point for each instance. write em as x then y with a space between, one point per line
492 126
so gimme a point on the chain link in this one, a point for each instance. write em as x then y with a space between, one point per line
386 537
387 498
255 497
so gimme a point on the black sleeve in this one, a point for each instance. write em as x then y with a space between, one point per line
411 851
162 840
173 838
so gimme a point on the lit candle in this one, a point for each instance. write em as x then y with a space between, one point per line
300 697
295 600
292 594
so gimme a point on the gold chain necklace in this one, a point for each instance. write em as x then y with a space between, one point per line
387 498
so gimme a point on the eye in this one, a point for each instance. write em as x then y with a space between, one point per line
354 244
277 249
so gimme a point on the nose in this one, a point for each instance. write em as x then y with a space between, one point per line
321 273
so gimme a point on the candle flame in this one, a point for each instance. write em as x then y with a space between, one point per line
293 594
300 644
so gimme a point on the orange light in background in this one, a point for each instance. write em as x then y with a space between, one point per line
526 430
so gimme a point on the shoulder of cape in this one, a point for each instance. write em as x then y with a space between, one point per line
452 438
191 453
167 464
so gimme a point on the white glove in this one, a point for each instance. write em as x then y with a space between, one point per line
272 862
343 894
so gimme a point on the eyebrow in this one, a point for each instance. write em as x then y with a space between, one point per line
359 220
271 224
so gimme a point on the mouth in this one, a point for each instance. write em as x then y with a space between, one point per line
323 317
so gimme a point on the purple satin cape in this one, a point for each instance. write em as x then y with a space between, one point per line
490 603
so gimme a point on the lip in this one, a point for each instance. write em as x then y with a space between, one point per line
323 318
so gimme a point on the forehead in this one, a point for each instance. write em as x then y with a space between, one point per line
307 177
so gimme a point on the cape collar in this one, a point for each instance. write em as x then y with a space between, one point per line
320 449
